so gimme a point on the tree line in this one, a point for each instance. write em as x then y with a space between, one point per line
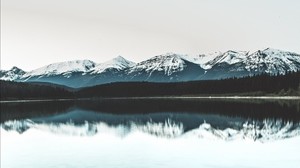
263 84
22 90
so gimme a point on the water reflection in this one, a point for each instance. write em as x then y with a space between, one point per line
286 110
260 120
150 133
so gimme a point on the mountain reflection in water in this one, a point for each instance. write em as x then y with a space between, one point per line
222 119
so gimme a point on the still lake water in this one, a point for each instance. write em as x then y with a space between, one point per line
151 133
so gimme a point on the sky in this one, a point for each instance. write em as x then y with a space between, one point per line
35 33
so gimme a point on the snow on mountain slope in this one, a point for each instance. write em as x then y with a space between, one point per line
12 74
229 57
203 59
269 61
272 61
162 68
118 63
62 68
168 63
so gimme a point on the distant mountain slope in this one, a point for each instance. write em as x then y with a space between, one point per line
260 85
61 68
119 63
13 74
272 61
238 64
169 67
164 68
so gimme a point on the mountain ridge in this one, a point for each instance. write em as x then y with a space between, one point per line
170 67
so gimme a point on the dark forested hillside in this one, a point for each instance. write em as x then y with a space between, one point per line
259 85
20 90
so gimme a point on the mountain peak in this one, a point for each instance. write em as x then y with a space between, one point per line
16 69
167 63
164 58
237 52
119 58
118 63
165 67
169 54
272 61
272 50
85 62
62 68
229 57
172 54
12 74
276 52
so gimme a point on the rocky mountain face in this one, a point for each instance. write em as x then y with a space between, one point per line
14 73
165 68
162 68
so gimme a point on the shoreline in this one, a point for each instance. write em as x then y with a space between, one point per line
161 97
211 97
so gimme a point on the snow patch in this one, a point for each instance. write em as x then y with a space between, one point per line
13 74
62 68
168 63
118 63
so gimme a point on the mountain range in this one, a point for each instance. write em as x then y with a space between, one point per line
168 67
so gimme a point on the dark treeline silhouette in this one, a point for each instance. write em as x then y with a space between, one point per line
22 90
263 84
258 85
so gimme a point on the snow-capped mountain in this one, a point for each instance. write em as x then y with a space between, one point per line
78 73
203 59
168 67
272 61
242 63
12 74
61 68
69 73
168 64
107 72
162 68
119 63
229 57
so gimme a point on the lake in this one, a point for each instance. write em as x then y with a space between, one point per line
151 132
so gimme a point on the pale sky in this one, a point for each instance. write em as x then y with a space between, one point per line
35 33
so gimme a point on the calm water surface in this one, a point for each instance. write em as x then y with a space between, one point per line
151 133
